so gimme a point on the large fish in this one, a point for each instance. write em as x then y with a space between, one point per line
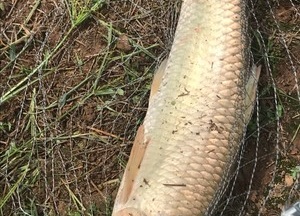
201 101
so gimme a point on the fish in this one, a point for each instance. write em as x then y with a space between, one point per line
200 103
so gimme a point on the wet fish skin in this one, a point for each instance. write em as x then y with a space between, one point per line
196 118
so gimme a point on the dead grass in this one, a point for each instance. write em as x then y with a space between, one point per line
74 81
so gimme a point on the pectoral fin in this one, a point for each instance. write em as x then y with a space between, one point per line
136 156
132 168
157 79
251 88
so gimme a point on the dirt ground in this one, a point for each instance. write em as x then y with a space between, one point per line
74 85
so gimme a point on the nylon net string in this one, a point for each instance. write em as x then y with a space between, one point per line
74 85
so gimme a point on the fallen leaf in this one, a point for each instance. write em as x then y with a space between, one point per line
288 179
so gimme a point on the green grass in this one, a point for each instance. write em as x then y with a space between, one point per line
53 157
22 160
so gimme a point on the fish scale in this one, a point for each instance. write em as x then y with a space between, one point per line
196 120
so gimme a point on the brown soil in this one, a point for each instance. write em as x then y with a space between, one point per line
74 121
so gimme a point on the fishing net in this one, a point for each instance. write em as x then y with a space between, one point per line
74 85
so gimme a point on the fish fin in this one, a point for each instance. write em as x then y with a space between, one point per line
157 79
138 149
133 165
251 88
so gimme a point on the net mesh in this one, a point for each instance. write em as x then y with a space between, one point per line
74 85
